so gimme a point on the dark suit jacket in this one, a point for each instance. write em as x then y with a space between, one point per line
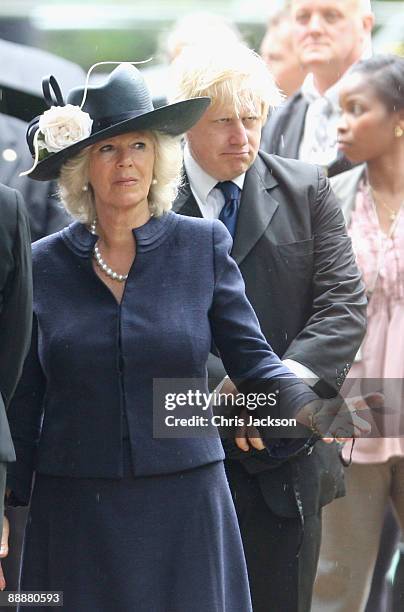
302 280
15 303
283 133
46 214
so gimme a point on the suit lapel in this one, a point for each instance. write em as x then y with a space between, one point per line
292 136
257 207
185 203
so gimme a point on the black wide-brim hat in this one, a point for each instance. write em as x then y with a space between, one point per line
122 104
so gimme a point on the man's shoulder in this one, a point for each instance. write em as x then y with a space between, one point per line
295 99
10 203
282 124
8 197
290 171
282 112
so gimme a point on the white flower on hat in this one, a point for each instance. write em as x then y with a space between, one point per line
62 126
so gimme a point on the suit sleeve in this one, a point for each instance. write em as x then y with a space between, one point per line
337 323
16 310
25 417
245 353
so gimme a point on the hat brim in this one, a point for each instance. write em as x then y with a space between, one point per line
173 119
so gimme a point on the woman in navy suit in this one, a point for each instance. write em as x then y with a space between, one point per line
128 294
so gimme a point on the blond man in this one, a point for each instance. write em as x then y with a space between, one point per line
292 249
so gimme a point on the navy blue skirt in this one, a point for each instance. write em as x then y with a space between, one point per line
166 543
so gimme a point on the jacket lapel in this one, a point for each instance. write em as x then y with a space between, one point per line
257 207
185 203
292 136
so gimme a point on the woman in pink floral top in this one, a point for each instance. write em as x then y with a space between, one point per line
371 130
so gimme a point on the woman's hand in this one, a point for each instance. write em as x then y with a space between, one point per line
246 437
4 550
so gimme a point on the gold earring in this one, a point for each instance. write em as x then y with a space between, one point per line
398 131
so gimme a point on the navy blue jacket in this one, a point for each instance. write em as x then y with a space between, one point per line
93 359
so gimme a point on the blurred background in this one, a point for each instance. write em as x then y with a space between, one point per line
89 31
85 31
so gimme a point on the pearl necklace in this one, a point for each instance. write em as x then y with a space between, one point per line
104 267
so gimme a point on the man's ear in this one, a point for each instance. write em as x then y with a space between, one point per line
368 21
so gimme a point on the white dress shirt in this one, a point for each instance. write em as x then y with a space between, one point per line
209 198
319 143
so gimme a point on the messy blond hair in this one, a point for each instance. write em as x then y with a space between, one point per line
166 172
231 75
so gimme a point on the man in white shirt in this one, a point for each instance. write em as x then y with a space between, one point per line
330 36
291 246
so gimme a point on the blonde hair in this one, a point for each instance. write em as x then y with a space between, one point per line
234 74
80 202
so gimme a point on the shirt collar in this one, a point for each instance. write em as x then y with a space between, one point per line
311 93
200 182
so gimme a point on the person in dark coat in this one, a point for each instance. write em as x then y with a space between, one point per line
20 99
15 317
292 249
46 215
129 294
